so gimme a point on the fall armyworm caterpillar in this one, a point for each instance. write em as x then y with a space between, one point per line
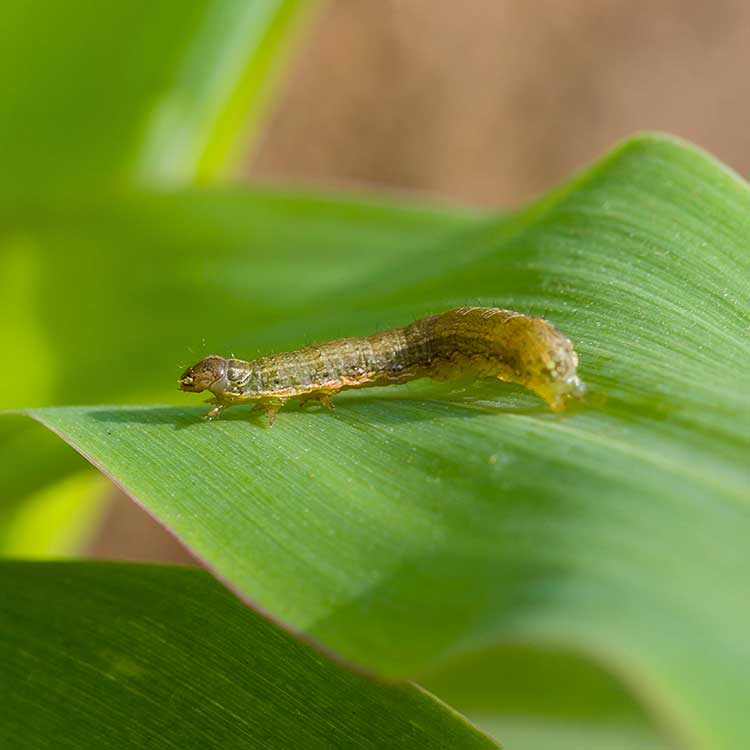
468 341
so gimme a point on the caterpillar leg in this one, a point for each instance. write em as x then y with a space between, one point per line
218 408
270 409
324 399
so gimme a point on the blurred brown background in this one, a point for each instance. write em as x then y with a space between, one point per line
492 101
488 102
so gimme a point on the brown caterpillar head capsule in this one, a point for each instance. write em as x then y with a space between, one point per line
203 375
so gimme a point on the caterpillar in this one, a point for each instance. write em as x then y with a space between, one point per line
467 341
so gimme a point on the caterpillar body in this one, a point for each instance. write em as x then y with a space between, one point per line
468 341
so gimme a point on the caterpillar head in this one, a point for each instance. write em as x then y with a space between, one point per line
203 375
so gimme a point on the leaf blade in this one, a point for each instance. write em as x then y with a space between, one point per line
106 655
92 95
433 522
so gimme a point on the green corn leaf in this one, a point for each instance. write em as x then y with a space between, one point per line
99 655
418 526
147 90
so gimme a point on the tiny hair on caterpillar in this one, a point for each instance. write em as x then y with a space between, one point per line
465 342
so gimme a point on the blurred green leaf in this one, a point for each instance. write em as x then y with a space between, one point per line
531 733
198 131
421 525
178 267
100 95
36 478
541 698
57 521
158 90
100 655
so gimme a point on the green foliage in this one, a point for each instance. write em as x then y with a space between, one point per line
92 102
551 575
422 523
220 675
140 90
